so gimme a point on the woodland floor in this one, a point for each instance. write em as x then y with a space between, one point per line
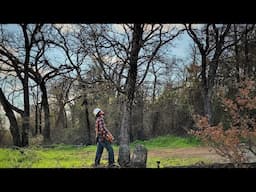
190 152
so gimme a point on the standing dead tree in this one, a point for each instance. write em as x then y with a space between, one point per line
125 53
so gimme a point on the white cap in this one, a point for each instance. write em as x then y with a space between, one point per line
96 111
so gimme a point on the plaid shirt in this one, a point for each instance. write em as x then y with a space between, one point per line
100 129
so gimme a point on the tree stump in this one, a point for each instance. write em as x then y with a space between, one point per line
124 155
139 157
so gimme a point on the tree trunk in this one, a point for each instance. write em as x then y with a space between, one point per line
137 119
236 55
155 122
61 118
141 133
207 101
213 66
37 111
207 104
124 150
208 83
45 106
25 122
246 54
14 128
154 88
205 89
36 119
87 124
25 127
40 119
60 122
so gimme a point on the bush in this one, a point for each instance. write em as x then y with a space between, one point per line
239 138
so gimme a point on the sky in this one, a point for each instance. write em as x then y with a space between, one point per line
182 43
181 48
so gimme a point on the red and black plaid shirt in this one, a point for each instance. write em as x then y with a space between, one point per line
100 128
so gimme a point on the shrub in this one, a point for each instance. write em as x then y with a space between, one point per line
238 139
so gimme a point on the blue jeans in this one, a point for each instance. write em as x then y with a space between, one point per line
100 146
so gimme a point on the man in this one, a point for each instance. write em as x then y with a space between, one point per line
103 138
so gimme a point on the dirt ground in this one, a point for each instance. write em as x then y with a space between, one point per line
203 152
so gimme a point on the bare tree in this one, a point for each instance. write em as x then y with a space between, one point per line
76 58
125 54
212 40
23 52
44 69
15 54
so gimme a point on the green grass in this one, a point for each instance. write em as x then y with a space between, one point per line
174 161
68 156
169 141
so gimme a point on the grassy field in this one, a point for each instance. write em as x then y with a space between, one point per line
65 156
169 142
